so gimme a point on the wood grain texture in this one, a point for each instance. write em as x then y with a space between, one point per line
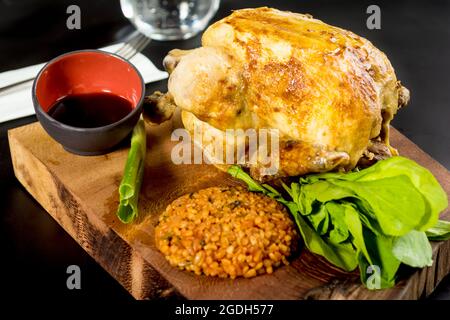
80 193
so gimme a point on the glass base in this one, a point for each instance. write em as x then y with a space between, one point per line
166 34
170 20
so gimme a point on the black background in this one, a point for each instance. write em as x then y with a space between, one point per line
36 251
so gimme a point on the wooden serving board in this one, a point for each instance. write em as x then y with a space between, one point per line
80 193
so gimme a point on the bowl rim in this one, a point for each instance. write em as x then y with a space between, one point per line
38 107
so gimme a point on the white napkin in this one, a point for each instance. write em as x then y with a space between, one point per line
16 102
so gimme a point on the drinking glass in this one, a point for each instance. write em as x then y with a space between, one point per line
169 19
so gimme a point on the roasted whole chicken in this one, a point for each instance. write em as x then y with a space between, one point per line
330 93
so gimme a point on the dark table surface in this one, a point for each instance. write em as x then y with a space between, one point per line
36 251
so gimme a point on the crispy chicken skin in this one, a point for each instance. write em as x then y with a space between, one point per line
330 93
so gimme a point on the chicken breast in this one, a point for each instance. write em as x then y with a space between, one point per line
330 93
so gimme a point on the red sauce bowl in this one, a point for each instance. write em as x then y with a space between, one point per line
88 72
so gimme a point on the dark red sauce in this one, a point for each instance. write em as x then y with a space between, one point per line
90 110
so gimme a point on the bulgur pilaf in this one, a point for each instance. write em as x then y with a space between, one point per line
226 232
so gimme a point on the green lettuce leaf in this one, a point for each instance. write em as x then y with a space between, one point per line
413 249
395 202
339 232
439 232
382 257
422 179
341 255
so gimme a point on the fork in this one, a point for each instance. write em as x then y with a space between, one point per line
136 43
